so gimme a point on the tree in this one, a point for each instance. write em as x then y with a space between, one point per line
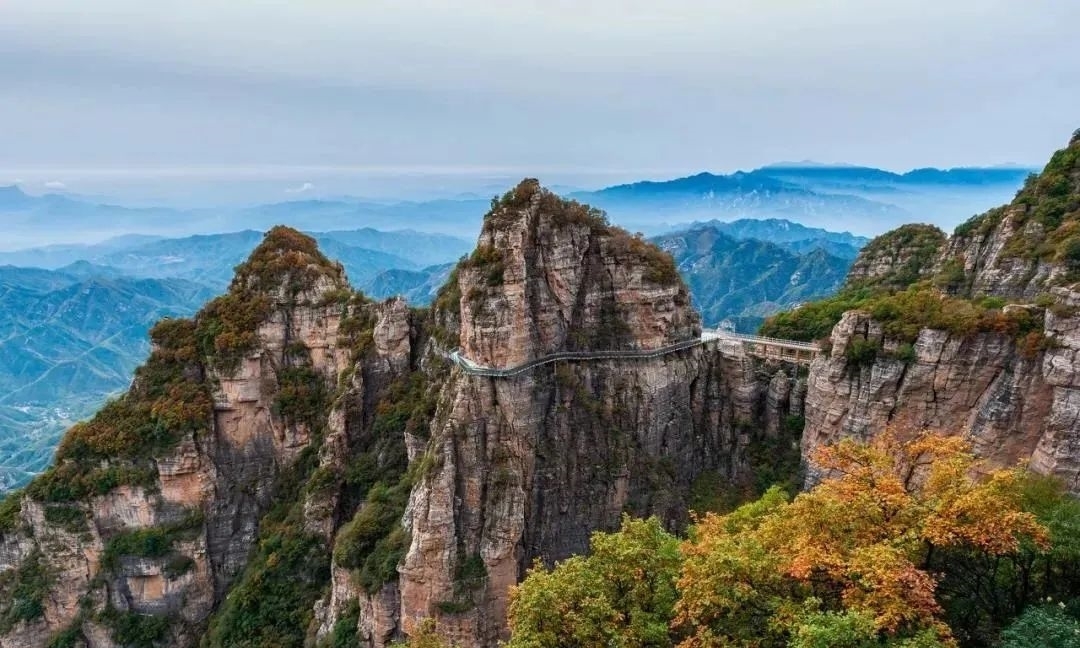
855 548
426 636
1044 626
621 595
983 593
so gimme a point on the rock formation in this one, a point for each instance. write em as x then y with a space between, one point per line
526 468
298 463
1015 396
145 539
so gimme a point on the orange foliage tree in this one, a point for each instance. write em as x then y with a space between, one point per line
846 562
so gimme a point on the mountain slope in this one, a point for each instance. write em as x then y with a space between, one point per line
795 236
65 344
746 280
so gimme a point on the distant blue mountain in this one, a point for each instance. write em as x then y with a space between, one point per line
804 173
834 197
651 205
861 199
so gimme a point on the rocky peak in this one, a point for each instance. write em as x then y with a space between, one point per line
222 422
1025 248
550 274
287 264
898 258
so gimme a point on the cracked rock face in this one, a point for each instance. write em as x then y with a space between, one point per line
549 276
1014 407
993 271
527 468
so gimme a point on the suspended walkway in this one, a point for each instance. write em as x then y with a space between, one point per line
753 345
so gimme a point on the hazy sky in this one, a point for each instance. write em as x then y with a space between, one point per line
657 86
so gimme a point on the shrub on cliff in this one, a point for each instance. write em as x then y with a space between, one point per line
286 264
903 315
907 251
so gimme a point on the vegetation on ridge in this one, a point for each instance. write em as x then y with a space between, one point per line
909 251
1046 215
283 267
903 314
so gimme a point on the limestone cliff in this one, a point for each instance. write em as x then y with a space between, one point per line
996 358
151 511
525 468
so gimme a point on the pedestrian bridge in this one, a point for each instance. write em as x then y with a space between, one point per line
734 343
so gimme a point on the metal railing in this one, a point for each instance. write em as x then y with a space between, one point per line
472 368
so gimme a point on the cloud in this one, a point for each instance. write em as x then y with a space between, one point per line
304 188
54 184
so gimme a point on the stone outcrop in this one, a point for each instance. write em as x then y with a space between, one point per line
1013 396
208 491
550 275
520 469
527 468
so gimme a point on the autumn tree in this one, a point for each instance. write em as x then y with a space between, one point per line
850 556
621 595
425 636
982 593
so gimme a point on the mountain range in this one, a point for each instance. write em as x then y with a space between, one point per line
741 270
861 199
301 465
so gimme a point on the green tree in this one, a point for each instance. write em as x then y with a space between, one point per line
1043 626
621 595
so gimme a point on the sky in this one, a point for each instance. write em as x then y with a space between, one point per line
575 89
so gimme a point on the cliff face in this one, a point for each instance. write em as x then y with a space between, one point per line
148 538
549 275
528 467
1014 404
1015 396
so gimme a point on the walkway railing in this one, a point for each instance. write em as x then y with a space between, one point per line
707 335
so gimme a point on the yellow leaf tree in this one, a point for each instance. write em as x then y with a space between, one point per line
851 553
